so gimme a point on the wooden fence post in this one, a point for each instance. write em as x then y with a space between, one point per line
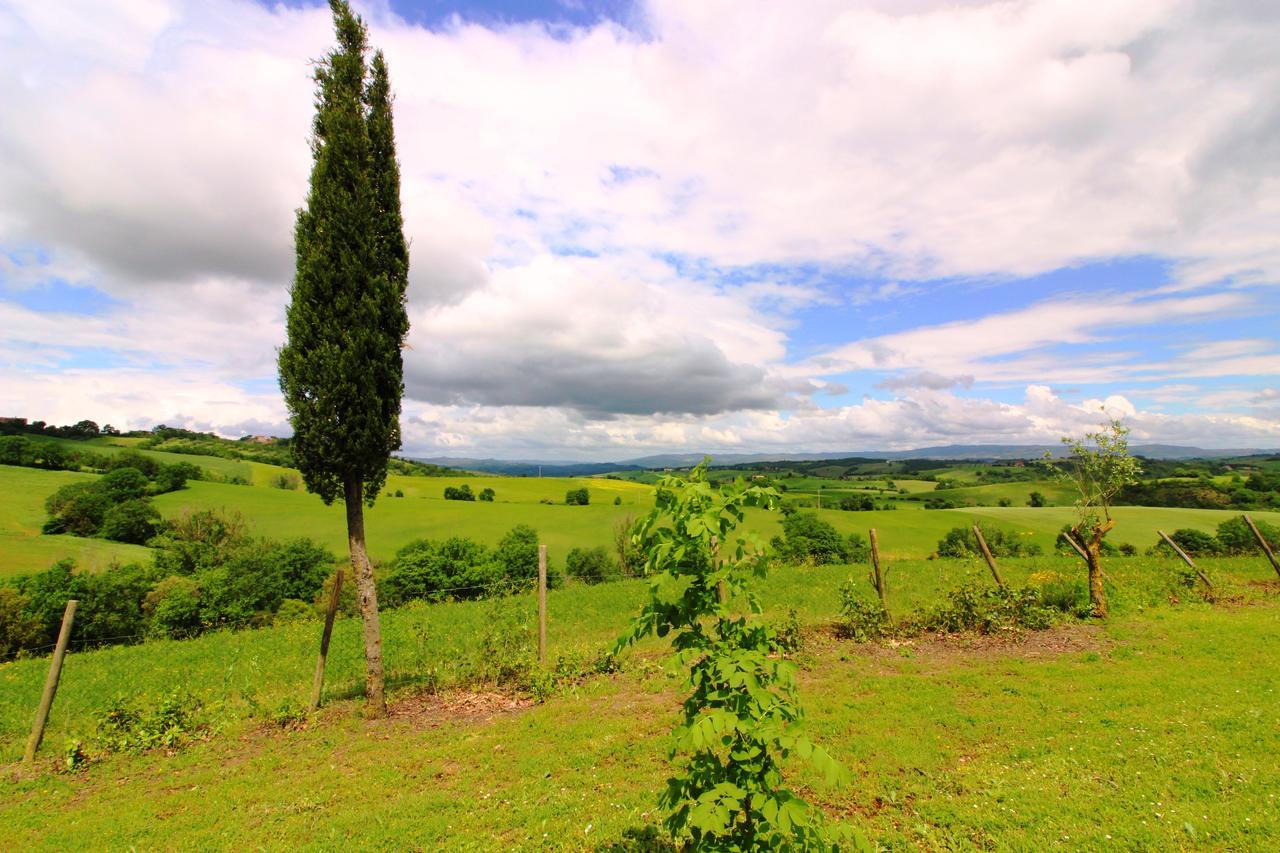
879 575
986 553
51 681
1071 540
317 685
1186 559
542 604
1262 543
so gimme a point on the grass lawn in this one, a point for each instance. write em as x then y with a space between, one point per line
24 548
1159 730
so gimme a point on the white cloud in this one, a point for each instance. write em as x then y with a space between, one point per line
157 150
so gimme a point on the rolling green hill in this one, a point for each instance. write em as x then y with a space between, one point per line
909 532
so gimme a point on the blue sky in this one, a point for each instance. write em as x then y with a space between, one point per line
668 226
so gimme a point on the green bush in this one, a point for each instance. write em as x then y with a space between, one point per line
127 726
805 537
591 565
123 484
962 542
1196 543
293 610
577 497
1235 538
459 493
988 610
20 630
487 495
76 508
453 568
861 619
172 608
134 521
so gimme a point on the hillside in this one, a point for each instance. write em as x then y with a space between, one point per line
948 741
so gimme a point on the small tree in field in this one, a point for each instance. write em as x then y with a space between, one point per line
341 370
1099 466
741 718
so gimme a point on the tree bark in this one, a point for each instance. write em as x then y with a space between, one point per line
1093 552
367 593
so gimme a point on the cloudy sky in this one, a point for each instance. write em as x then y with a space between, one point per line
650 226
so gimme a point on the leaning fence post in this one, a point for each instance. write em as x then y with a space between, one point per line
318 685
879 575
986 553
51 682
542 604
1186 559
1071 540
1262 543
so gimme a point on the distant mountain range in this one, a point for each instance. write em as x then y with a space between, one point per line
976 452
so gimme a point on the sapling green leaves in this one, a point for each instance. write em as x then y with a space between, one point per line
741 717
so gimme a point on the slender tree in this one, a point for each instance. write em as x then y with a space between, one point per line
341 369
1099 465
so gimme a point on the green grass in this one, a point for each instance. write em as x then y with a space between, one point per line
1159 730
277 513
393 522
23 548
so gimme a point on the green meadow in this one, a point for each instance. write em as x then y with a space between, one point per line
907 532
1157 730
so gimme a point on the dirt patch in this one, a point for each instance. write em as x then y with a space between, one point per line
956 648
433 709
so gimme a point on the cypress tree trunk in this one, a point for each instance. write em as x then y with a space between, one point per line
366 591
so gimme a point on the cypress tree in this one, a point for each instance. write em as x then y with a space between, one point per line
341 370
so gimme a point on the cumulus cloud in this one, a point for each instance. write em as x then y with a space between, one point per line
582 205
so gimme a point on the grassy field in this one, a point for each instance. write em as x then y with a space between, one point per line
1158 730
909 532
23 548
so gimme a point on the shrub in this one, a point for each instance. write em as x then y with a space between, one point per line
19 629
630 560
196 540
988 610
399 493
140 462
459 493
1066 595
856 548
1035 499
293 610
862 503
1196 543
487 494
286 480
788 638
1235 537
577 497
517 552
453 568
807 537
861 619
126 726
173 608
617 500
134 521
171 478
347 604
590 565
76 508
303 566
962 542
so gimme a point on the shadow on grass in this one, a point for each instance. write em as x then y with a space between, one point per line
638 839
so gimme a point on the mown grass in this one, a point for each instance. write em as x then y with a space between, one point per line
24 548
1157 731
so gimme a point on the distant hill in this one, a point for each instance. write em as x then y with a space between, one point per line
527 468
976 452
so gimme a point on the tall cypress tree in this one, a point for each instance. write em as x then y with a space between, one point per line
341 370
